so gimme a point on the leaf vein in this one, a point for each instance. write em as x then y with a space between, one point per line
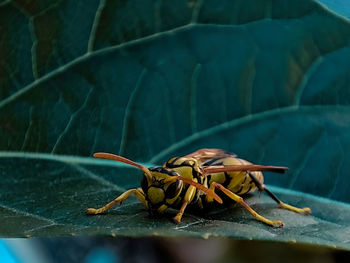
236 122
157 16
305 79
26 135
196 11
95 25
71 120
96 177
30 230
338 172
305 159
34 46
193 97
4 3
128 109
14 210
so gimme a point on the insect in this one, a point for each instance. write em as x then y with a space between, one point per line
196 180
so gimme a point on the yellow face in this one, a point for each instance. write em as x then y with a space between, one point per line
159 193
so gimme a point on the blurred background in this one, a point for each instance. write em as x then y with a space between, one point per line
114 250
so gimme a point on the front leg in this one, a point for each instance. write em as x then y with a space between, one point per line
138 192
190 193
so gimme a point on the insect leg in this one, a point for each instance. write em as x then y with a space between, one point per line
262 187
138 192
238 199
208 198
190 193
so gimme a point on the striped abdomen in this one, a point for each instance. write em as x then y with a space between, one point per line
238 182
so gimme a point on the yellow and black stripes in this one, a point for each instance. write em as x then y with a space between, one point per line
192 180
158 193
238 182
187 167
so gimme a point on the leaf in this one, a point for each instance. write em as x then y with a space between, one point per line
52 193
30 51
152 79
113 98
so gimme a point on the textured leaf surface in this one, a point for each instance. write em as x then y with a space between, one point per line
154 79
52 193
139 97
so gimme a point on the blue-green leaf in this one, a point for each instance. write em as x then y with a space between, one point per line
149 80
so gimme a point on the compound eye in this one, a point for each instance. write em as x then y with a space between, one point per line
173 189
144 184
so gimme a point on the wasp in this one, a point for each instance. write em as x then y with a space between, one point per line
198 179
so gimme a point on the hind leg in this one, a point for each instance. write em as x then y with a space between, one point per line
262 187
238 199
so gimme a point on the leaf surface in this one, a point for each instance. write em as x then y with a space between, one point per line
52 194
